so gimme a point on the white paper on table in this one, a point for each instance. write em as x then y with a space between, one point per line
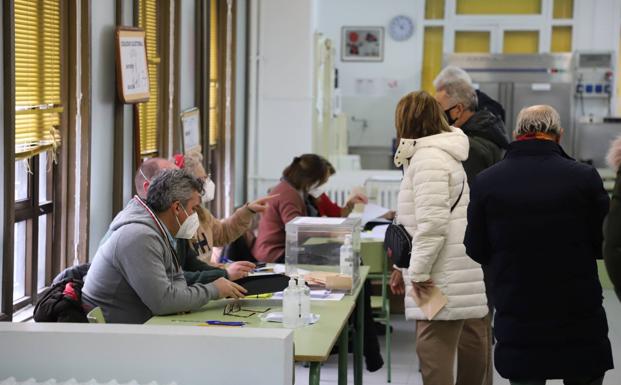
277 316
318 221
317 295
378 232
372 211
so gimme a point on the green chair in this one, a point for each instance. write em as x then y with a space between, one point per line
96 316
373 255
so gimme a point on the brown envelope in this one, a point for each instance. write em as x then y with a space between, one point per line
431 303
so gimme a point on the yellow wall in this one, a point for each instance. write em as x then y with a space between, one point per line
472 41
521 42
498 7
434 9
432 56
561 39
563 9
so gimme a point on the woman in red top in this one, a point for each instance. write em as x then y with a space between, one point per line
304 173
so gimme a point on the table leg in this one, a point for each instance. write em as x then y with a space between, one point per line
343 353
359 338
313 374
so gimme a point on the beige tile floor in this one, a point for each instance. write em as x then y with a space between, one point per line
405 365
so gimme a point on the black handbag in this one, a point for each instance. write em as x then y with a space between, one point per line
398 242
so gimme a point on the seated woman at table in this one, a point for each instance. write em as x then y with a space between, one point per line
290 195
305 173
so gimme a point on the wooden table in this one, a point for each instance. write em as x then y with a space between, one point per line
311 343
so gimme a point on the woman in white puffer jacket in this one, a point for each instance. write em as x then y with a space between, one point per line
431 152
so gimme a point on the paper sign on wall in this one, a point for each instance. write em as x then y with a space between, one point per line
131 64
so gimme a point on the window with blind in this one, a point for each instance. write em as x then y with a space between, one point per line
149 117
39 110
214 77
38 104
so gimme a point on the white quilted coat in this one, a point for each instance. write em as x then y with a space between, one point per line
431 185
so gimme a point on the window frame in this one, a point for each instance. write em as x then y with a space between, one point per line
30 210
62 182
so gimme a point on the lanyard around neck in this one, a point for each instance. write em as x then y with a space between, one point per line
160 226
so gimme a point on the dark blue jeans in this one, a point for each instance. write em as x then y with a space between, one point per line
576 381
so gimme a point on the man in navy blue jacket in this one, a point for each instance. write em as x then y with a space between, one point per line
535 220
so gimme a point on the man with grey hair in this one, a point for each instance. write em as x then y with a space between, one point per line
535 221
452 73
136 273
485 131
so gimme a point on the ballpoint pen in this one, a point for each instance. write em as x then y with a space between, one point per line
224 323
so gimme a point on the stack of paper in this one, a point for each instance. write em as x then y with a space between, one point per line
329 280
372 212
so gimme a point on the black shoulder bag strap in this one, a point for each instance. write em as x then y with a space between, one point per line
459 197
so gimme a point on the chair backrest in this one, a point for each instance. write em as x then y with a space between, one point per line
373 255
96 316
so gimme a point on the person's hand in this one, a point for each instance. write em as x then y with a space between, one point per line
390 215
357 197
397 286
241 269
260 205
230 289
422 288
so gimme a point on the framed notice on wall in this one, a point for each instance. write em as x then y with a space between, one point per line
190 125
131 65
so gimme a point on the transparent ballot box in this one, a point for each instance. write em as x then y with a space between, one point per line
319 241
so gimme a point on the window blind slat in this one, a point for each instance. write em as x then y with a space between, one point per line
37 70
213 73
148 112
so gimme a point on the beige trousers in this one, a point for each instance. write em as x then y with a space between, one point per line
439 342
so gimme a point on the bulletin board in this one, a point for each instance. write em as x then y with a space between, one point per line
131 65
190 125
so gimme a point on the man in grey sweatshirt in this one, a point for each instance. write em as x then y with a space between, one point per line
135 273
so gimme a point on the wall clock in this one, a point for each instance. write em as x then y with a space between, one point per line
401 28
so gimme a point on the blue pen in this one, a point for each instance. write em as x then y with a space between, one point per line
225 323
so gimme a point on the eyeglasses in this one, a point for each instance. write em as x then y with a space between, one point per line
234 309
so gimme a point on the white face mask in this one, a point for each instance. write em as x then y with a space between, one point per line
316 192
404 153
210 191
188 228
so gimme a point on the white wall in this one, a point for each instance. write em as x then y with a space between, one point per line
3 165
398 65
240 102
187 62
164 354
598 27
103 83
128 121
281 127
597 24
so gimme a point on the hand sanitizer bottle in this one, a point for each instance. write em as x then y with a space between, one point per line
305 304
291 306
347 257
